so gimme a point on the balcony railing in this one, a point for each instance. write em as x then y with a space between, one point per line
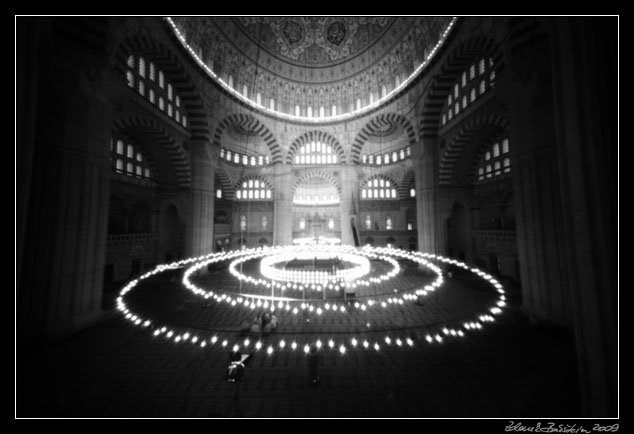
494 235
131 238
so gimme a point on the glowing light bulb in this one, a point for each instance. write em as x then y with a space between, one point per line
331 343
214 339
342 349
388 340
399 342
306 349
269 350
294 345
258 345
282 343
366 344
354 342
377 347
224 343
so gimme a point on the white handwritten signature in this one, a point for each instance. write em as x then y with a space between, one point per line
551 427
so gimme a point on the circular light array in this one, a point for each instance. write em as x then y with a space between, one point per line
309 253
399 338
295 279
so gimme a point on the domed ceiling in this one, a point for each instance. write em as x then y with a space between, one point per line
313 67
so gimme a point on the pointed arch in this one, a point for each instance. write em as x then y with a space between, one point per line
250 123
316 136
175 152
166 61
457 61
454 149
375 125
317 174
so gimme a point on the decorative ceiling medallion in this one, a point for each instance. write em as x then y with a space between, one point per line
293 31
336 32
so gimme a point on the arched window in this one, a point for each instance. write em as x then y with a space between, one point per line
265 222
333 111
253 189
331 223
467 88
494 162
243 222
128 160
219 193
368 222
302 224
388 223
378 188
315 153
158 91
412 192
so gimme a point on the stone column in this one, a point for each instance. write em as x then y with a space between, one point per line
585 58
65 237
283 206
349 184
526 88
200 230
426 219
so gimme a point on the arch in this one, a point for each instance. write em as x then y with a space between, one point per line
457 61
175 152
374 125
164 58
453 150
394 185
317 136
254 177
228 189
316 173
408 178
250 123
137 252
263 241
369 241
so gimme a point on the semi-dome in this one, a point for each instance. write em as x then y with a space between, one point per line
313 68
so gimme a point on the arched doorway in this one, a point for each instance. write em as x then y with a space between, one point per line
171 234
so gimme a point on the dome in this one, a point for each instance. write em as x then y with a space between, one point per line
313 68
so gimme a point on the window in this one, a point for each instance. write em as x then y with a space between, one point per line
368 222
143 78
265 222
388 223
494 161
412 192
302 224
331 224
467 89
253 189
243 222
142 67
410 227
219 193
130 79
333 111
315 153
128 160
378 188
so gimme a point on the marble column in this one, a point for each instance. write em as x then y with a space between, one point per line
65 236
283 206
200 230
349 183
426 219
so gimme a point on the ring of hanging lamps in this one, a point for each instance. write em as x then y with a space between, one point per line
182 335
